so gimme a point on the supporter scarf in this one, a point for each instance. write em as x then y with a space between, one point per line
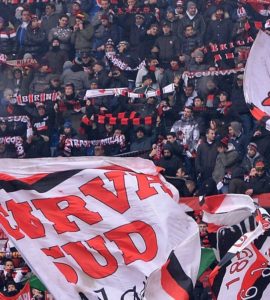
101 119
17 62
17 141
78 143
32 98
199 74
122 65
23 119
119 92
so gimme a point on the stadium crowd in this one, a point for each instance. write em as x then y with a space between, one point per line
158 79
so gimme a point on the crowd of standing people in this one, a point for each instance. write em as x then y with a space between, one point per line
135 78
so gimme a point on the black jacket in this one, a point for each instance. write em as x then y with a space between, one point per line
206 159
35 41
168 46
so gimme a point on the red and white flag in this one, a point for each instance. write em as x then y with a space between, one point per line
93 227
257 77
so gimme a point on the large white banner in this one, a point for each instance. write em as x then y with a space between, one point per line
257 74
91 226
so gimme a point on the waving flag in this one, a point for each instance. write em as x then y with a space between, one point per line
243 248
94 227
257 77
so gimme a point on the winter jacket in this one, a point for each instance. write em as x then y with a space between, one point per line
82 39
63 35
40 82
77 76
189 128
260 185
56 60
168 46
219 31
143 71
49 22
249 162
7 40
189 44
35 41
225 163
197 23
170 164
206 159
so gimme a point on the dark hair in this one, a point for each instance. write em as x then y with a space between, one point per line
189 25
224 93
63 16
52 5
7 260
190 85
171 133
188 107
208 129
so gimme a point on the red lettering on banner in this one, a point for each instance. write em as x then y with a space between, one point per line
121 236
214 47
95 188
87 261
59 216
145 190
28 223
14 232
69 273
223 47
